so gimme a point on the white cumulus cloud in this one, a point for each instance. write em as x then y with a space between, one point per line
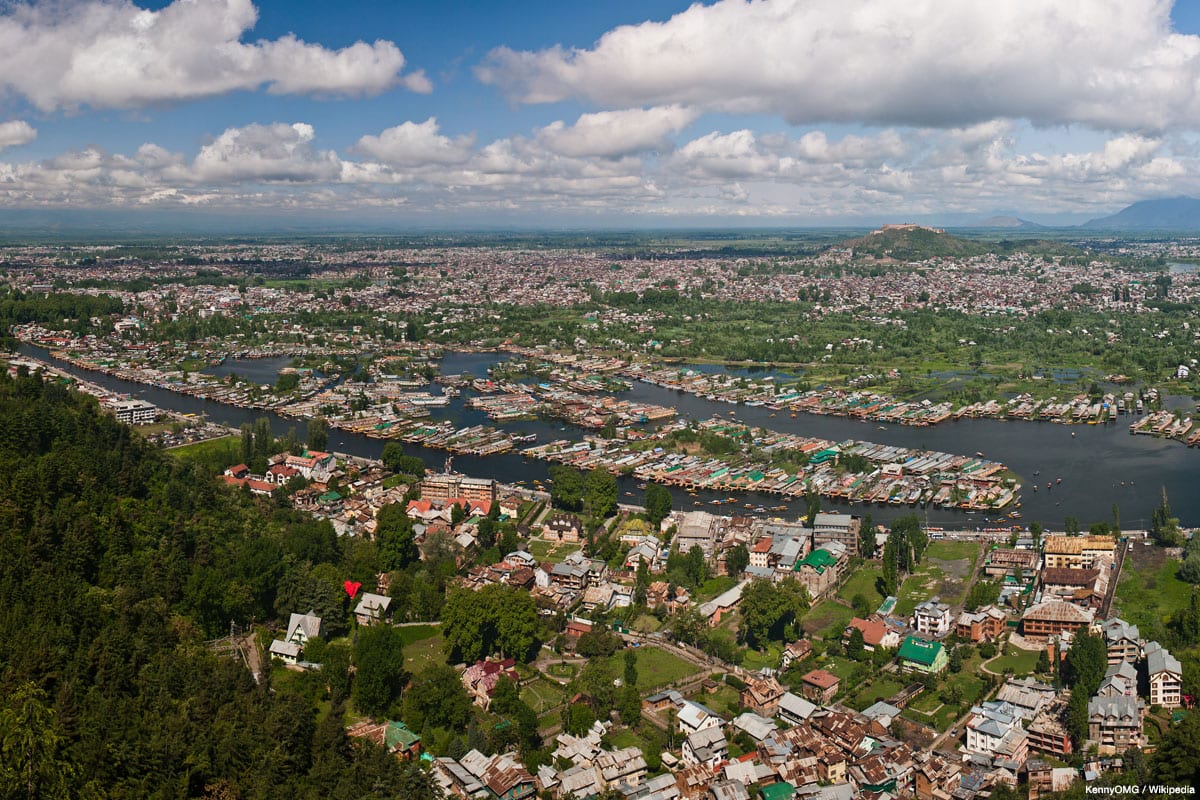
416 143
617 133
114 54
1110 64
16 132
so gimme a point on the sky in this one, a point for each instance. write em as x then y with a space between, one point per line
640 113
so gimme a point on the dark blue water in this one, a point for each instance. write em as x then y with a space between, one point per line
1092 463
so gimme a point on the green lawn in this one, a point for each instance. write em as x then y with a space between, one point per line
1021 662
756 660
948 550
656 668
562 670
863 582
723 701
424 651
713 587
227 450
828 620
550 551
646 623
875 689
541 695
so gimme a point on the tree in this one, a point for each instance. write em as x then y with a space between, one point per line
395 459
854 646
641 582
770 610
566 487
497 618
813 501
658 503
35 759
697 565
956 660
600 493
318 434
631 671
1189 570
1085 664
379 669
983 593
437 697
1071 525
1043 663
1164 529
737 558
395 538
1177 760
866 537
1035 532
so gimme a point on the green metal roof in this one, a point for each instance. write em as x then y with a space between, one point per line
818 559
398 734
919 650
778 791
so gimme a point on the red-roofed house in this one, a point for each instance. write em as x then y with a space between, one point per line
480 678
820 686
875 633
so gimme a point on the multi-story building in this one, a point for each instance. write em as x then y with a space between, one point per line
837 528
932 618
445 486
994 730
1053 617
986 623
1122 640
1076 552
1165 675
1115 724
919 655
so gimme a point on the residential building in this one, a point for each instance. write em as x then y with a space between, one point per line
1165 676
705 746
1052 617
994 730
1076 552
820 686
819 570
301 628
623 767
502 776
1080 586
932 618
755 726
1047 732
843 528
134 412
796 651
1122 640
920 655
372 608
562 527
1010 562
1120 680
983 625
794 709
716 609
480 679
694 717
698 529
1115 724
762 694
875 633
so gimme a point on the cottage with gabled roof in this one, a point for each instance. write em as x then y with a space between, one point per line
1165 675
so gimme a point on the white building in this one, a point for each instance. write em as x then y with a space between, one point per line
932 618
1166 676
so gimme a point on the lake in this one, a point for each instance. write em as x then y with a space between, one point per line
1099 465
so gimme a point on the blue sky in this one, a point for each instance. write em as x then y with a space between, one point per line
771 112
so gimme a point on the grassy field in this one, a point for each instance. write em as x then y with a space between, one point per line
656 668
1149 591
541 695
227 448
827 620
427 647
646 623
942 573
879 688
724 701
1021 662
756 660
543 550
863 582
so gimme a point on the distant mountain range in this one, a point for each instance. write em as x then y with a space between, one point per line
1171 214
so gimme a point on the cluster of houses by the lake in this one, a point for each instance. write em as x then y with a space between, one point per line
804 743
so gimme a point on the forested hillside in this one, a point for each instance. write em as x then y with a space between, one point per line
116 564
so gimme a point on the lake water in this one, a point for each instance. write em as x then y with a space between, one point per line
1092 460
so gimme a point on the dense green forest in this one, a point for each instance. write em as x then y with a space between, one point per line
117 563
